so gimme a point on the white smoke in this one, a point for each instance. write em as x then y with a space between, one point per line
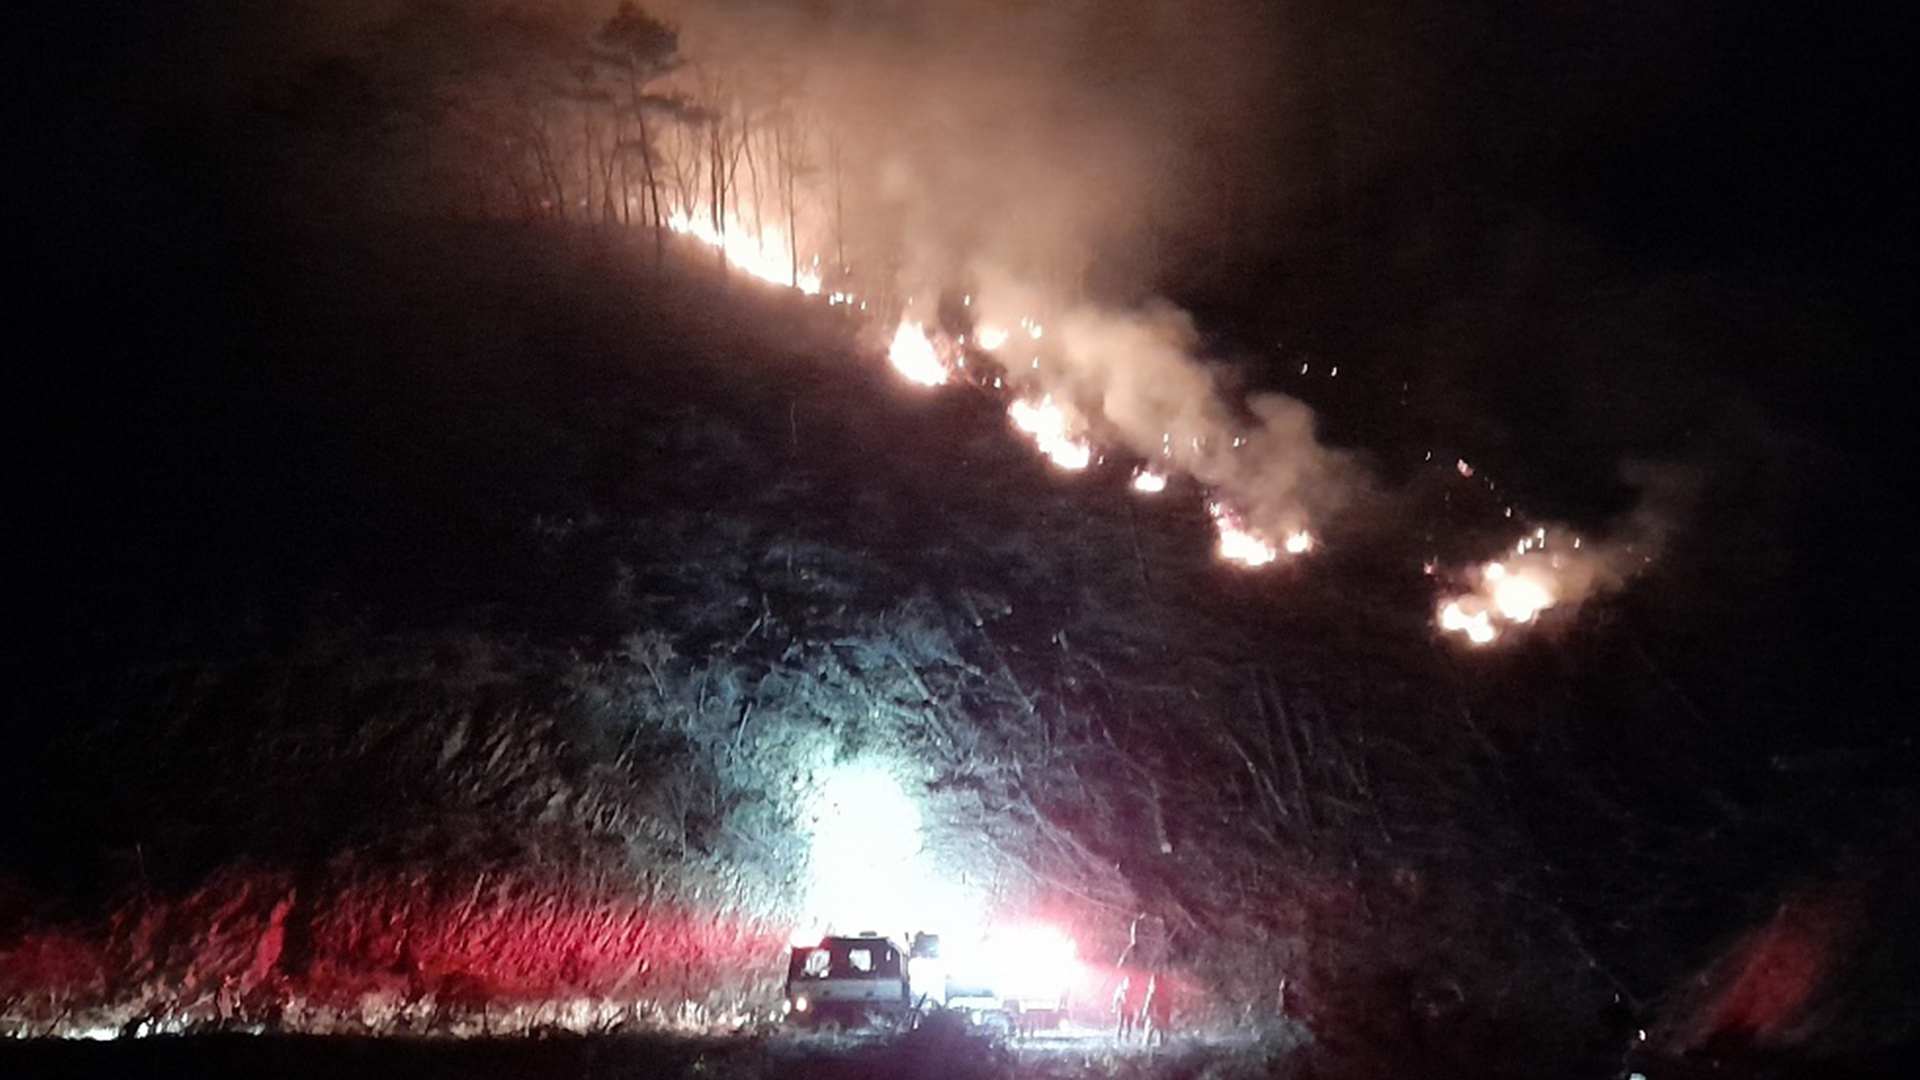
1553 567
1021 152
1047 160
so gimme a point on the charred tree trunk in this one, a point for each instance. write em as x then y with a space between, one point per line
717 193
651 192
753 177
839 208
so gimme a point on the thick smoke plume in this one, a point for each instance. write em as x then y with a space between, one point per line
1029 173
1037 138
1041 159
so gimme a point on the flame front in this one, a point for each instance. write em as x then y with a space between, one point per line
1477 625
1045 422
1505 596
1236 544
1518 597
768 257
912 355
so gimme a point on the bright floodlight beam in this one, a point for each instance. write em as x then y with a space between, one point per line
870 867
865 841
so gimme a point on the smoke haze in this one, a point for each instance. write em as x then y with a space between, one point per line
1040 157
1063 163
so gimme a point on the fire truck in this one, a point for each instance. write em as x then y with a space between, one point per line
849 982
867 980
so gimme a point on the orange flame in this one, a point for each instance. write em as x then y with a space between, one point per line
768 257
1149 482
1505 596
912 354
1046 423
1236 544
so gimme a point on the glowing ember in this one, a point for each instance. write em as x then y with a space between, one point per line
1299 543
990 337
912 354
768 257
1149 482
1046 423
1237 545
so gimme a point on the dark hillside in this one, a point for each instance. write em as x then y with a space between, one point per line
563 579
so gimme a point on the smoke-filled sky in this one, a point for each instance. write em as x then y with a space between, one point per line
1031 155
1169 129
1042 132
1031 132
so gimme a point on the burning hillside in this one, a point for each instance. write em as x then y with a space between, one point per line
1081 498
755 703
994 229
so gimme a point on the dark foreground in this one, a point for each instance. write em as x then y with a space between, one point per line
947 1056
921 1056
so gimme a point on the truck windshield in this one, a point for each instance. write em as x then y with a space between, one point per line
846 960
